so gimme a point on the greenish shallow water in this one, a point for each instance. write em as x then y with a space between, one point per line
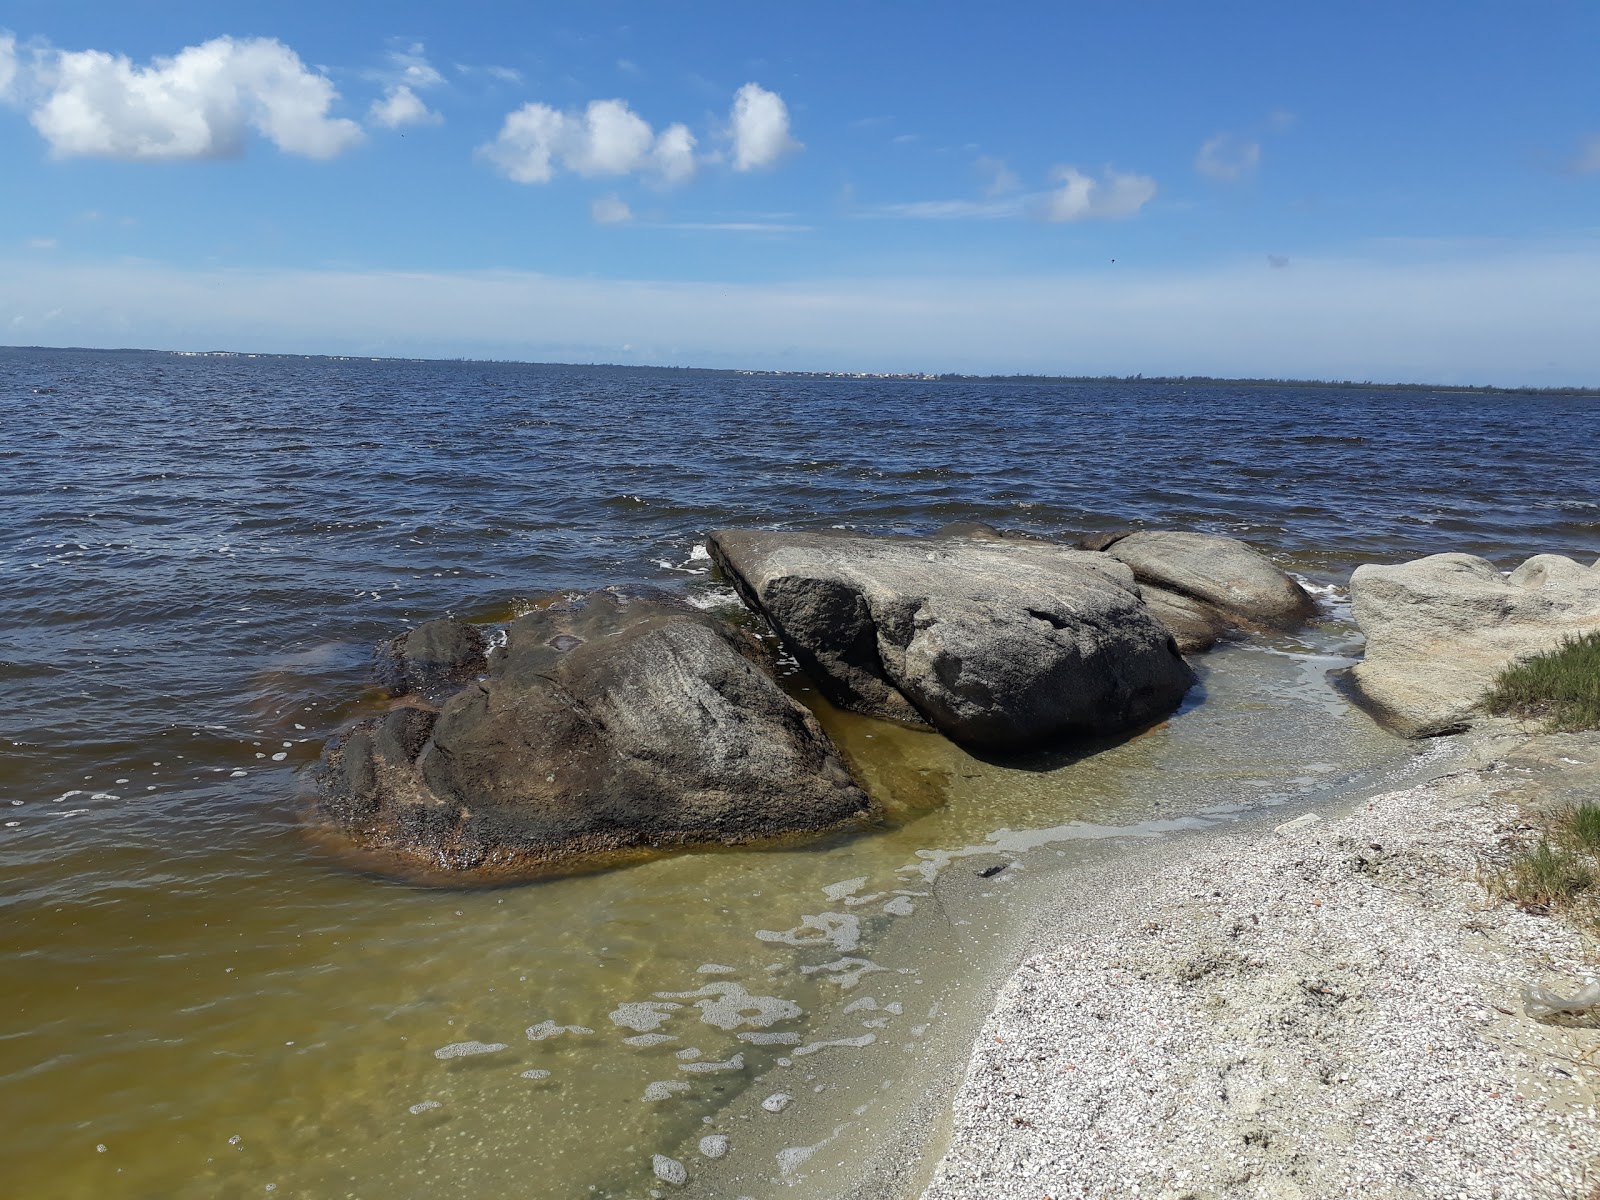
283 1035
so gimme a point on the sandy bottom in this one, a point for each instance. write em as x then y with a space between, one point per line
1328 1010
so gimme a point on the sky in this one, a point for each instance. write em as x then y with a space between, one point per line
1355 190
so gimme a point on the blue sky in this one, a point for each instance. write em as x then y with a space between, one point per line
1366 190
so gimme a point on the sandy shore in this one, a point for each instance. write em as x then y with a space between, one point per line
1327 1011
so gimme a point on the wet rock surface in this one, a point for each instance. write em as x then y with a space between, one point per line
999 644
1202 585
1439 629
434 659
605 727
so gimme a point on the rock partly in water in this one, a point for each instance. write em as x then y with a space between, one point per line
433 660
605 727
1201 585
1002 645
1439 629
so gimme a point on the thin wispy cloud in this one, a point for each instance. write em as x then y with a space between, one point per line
950 210
610 210
1227 157
1001 179
408 73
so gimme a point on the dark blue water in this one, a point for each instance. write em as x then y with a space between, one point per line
198 554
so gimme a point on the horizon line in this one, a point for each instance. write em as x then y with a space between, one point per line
1578 390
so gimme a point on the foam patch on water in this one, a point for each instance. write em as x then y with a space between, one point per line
535 1073
736 1063
549 1029
846 972
728 1006
468 1049
842 931
643 1015
866 1039
713 1145
669 1170
648 1039
425 1106
663 1089
713 598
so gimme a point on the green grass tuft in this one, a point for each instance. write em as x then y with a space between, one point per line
1561 688
1545 876
1586 826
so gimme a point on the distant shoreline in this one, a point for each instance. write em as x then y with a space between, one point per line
930 377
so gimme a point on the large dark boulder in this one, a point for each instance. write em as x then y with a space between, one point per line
999 644
605 727
1201 585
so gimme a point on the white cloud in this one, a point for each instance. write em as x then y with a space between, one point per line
610 210
8 65
197 104
760 127
1002 179
42 243
409 72
401 106
1228 157
1084 198
607 138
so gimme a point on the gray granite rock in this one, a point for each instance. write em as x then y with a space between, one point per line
1008 644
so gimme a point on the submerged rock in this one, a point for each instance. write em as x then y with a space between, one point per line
999 644
605 726
1201 585
1439 629
433 659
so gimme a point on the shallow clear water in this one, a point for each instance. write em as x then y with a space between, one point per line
200 554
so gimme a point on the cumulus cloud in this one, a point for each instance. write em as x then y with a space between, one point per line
607 138
401 106
759 124
1083 198
1228 157
198 104
610 210
409 72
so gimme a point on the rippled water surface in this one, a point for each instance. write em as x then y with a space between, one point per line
200 553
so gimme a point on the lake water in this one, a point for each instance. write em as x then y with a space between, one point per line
199 555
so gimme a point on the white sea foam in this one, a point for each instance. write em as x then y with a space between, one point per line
663 1089
643 1015
549 1029
728 1005
842 931
468 1049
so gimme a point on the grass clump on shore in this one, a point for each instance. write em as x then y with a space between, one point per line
1561 688
1561 870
